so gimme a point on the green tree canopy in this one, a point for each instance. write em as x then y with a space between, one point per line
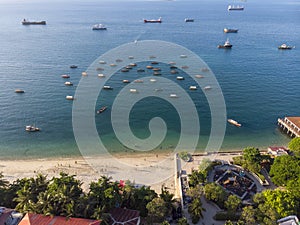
157 210
294 145
182 221
233 203
284 169
216 193
196 210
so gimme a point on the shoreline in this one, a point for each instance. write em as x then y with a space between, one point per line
157 168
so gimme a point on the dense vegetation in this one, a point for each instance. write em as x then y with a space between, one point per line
64 196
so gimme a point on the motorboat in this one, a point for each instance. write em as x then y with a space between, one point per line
27 22
102 109
156 73
126 81
73 66
199 76
149 67
193 88
152 80
173 71
153 20
99 69
173 96
232 7
180 78
119 60
106 87
124 70
102 62
84 74
19 91
227 30
132 64
207 88
101 75
99 27
285 46
65 76
156 69
70 97
132 90
68 83
233 122
226 45
31 128
154 63
188 20
183 56
140 70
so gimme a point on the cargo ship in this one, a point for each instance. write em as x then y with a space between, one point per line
27 22
153 21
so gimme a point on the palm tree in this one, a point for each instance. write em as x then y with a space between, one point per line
196 210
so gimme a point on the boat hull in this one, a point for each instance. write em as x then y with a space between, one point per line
225 47
34 23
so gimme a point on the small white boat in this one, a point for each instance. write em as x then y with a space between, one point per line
207 88
68 83
138 81
193 87
233 122
70 97
99 27
180 78
152 80
173 96
84 73
133 90
106 87
199 76
20 91
126 81
102 62
31 128
65 76
101 75
112 65
183 56
232 7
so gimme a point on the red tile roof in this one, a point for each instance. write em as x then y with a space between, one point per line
121 216
37 219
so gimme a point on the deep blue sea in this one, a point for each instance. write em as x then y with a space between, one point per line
259 82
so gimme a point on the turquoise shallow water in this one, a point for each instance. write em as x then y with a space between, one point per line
259 82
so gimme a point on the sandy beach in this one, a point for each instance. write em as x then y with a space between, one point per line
140 169
154 170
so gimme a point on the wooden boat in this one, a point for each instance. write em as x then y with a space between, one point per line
102 109
19 91
65 76
233 122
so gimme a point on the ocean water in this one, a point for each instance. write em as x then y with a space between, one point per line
259 82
